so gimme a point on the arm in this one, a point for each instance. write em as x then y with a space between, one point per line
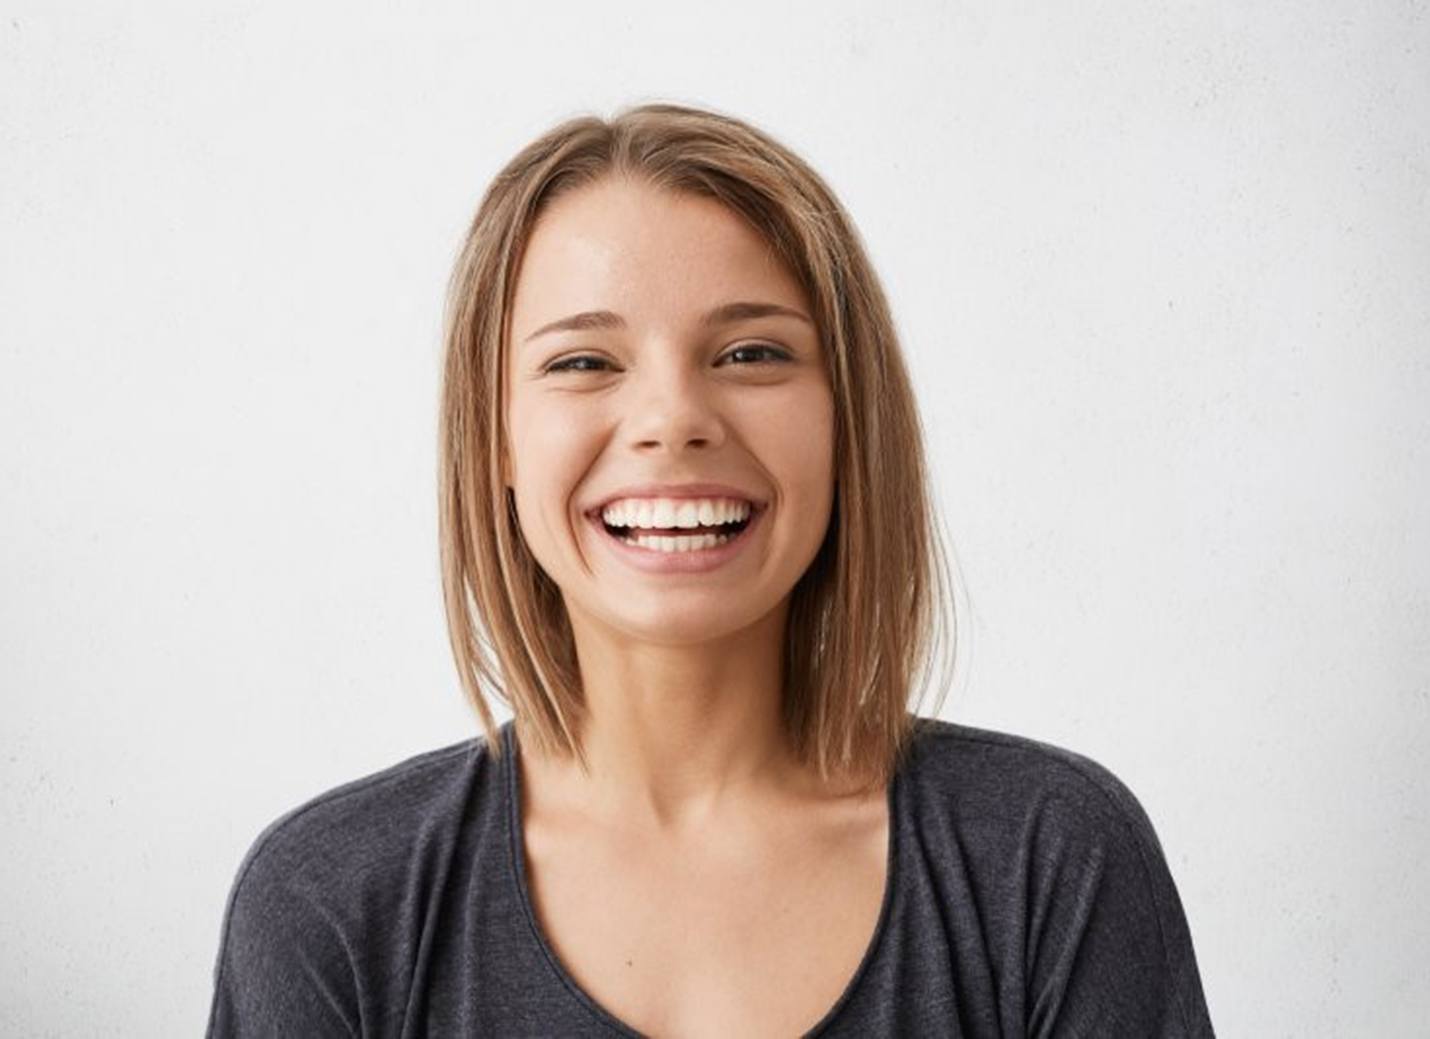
283 966
1109 950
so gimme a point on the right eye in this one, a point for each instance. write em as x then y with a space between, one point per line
569 364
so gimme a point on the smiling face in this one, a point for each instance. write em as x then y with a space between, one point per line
657 391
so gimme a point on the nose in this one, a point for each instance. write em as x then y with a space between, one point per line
674 406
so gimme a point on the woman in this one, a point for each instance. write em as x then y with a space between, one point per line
687 539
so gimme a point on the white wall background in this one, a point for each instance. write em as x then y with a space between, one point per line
1163 273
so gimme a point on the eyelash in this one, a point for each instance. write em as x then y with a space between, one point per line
563 365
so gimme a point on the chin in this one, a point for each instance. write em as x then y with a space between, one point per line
694 624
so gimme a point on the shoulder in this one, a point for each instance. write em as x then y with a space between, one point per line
355 826
988 777
327 887
1066 866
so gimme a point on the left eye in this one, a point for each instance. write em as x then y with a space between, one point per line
773 352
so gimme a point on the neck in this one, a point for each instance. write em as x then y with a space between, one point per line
677 737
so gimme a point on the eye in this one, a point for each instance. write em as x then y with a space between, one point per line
764 354
569 364
771 352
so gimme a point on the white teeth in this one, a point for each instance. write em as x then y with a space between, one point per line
662 543
670 512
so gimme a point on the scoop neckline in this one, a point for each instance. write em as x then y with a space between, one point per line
517 862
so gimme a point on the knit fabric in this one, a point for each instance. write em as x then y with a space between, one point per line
1027 894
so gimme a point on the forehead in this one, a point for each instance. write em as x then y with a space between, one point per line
648 253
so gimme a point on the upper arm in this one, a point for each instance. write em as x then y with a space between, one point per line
1110 952
283 965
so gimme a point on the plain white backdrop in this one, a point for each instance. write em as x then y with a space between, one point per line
1162 273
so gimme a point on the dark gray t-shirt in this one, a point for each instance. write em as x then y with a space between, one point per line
1027 895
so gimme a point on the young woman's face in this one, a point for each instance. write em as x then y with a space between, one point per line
661 388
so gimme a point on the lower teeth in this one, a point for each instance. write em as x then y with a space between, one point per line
662 543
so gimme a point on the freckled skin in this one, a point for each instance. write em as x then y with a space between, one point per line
667 404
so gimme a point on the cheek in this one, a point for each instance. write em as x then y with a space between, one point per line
544 440
808 425
799 440
547 458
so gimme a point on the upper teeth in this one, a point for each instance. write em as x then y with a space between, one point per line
672 512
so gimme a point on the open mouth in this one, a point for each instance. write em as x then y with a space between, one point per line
680 539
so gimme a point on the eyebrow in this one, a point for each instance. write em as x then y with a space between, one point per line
726 313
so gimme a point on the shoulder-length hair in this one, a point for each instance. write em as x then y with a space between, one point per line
875 602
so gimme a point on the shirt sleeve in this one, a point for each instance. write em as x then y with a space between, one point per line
1109 950
283 966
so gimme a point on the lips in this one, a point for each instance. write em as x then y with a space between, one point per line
686 561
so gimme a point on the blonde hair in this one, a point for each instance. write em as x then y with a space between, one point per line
875 602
